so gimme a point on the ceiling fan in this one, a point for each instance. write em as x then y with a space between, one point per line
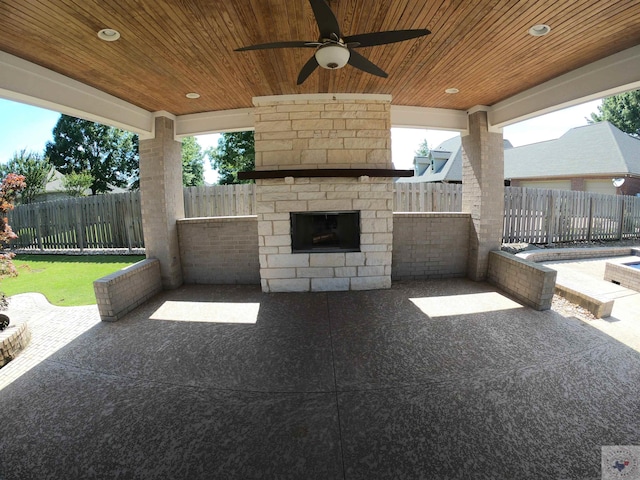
335 51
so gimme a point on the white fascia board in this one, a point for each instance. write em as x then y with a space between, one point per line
237 120
430 118
26 82
611 75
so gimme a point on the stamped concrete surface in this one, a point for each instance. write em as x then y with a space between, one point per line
443 379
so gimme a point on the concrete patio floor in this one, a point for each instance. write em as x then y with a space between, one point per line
438 379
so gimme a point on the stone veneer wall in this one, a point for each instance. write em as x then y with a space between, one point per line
370 268
430 245
219 250
315 132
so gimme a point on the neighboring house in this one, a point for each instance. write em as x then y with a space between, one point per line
54 190
587 158
443 164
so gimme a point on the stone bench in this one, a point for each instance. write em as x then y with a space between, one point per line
122 291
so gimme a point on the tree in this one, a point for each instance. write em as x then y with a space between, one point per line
35 169
423 150
192 163
235 153
75 184
9 189
621 110
110 155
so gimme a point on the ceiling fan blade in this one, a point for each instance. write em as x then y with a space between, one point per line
307 70
358 61
325 18
382 38
264 46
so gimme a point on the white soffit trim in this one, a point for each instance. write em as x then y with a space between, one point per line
237 120
29 83
431 118
611 75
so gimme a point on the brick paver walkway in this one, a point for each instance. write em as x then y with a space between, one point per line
51 329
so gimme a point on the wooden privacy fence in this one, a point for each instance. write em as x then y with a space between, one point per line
531 215
556 216
427 197
100 221
220 200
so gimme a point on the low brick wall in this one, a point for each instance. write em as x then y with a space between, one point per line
528 282
122 291
13 340
559 254
623 275
219 250
430 245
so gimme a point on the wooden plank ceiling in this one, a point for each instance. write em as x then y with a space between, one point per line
171 47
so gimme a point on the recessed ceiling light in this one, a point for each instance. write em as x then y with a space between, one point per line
192 95
451 90
539 30
108 35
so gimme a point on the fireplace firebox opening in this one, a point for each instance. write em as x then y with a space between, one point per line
319 232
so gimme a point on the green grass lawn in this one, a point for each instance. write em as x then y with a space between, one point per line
66 280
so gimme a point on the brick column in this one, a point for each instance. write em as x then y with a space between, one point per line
482 192
162 200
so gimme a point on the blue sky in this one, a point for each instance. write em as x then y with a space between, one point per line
26 127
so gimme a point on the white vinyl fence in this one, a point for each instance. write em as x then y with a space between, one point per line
531 215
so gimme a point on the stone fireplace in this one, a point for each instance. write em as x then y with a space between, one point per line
323 168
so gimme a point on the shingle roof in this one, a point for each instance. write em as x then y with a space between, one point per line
595 149
452 170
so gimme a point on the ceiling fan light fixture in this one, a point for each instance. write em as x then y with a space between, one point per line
332 56
539 30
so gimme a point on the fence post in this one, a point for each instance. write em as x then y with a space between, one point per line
551 218
590 219
79 225
621 227
38 228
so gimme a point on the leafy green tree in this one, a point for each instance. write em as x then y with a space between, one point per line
423 149
110 155
35 169
235 153
75 184
192 163
621 110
